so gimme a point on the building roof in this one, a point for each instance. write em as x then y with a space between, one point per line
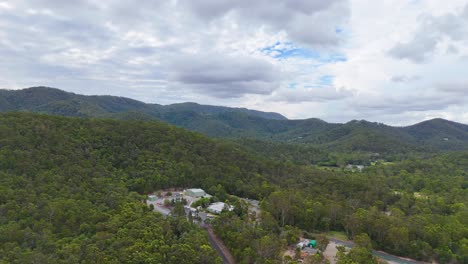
218 207
196 190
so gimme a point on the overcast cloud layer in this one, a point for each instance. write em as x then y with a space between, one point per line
392 61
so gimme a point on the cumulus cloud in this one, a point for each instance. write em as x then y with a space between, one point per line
323 94
409 104
440 97
311 22
405 78
335 59
417 50
454 88
432 31
224 75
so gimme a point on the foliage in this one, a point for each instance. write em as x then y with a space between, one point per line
315 134
415 208
70 191
317 258
249 242
322 242
203 202
357 255
65 198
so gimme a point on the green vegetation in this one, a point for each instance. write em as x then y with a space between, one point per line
249 244
381 203
355 138
66 192
299 154
71 191
337 234
58 102
361 253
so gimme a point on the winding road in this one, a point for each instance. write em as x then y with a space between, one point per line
219 246
392 259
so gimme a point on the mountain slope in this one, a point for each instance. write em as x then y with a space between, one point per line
67 194
55 101
224 122
67 189
213 110
440 133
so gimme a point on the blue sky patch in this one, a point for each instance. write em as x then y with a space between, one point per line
286 50
326 80
292 85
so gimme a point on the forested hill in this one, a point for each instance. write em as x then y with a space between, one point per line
71 192
362 136
158 154
70 189
58 102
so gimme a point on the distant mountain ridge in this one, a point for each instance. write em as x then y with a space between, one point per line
56 101
225 122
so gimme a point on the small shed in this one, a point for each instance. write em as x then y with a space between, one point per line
313 243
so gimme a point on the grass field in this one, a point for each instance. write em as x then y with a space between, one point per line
338 235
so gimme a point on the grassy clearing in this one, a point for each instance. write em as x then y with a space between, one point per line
337 234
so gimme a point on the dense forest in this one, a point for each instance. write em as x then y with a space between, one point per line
431 136
71 190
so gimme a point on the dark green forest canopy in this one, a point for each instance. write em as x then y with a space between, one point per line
65 194
435 135
70 191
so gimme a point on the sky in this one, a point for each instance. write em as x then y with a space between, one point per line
393 61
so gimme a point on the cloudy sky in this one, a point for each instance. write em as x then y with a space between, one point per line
392 61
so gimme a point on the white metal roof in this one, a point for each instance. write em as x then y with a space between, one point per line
196 190
218 207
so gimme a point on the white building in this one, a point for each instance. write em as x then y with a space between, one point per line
217 208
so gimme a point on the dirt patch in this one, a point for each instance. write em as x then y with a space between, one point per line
330 252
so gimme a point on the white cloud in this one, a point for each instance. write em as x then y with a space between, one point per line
216 52
432 33
311 22
310 95
5 6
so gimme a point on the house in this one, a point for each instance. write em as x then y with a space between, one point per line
152 198
195 193
217 208
190 210
301 245
360 167
352 167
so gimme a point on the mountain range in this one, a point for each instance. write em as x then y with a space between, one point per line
234 123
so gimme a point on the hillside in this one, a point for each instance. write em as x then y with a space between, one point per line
440 133
55 101
223 122
67 190
71 189
71 192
